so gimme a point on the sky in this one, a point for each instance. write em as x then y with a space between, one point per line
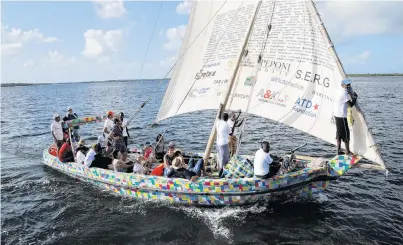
73 41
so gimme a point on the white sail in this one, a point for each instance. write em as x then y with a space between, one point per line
212 44
294 84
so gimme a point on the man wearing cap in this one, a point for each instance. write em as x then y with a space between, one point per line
223 132
344 98
57 131
71 116
108 125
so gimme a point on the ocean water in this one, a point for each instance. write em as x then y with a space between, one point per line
40 205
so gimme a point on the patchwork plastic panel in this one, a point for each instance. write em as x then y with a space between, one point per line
205 191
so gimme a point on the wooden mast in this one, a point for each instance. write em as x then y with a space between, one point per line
226 97
326 36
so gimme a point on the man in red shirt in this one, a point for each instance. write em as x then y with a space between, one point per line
65 152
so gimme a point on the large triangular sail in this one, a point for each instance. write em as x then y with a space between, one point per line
294 83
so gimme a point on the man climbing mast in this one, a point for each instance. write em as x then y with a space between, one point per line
344 97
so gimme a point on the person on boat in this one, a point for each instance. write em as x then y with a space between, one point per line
140 166
168 157
159 147
102 140
222 142
262 161
233 123
117 137
108 125
65 152
57 131
126 134
81 152
148 152
71 116
343 98
179 169
95 159
120 166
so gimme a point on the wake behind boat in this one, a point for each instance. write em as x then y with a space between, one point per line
272 59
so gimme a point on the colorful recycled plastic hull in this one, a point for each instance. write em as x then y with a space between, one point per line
204 191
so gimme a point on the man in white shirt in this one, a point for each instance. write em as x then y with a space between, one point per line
222 142
90 157
108 125
57 131
344 98
125 129
262 161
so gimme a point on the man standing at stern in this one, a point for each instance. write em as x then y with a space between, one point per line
344 98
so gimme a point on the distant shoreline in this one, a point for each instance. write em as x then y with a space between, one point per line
142 80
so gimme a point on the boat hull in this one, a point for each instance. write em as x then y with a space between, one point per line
204 191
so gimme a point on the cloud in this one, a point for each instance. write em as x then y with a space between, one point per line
55 57
29 63
110 9
360 59
346 19
168 61
161 32
175 36
98 42
184 7
13 39
10 48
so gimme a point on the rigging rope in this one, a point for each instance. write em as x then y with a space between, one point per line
151 38
258 67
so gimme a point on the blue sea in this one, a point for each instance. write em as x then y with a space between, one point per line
40 205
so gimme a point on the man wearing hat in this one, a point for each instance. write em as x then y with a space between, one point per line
344 98
57 131
71 116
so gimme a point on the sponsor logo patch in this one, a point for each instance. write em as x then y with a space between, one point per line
306 107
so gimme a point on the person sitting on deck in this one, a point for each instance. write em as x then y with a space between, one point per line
159 147
179 169
117 137
57 131
140 166
120 166
262 162
65 152
148 152
232 140
168 158
81 152
95 159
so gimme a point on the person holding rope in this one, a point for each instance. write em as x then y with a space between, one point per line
344 97
125 123
233 123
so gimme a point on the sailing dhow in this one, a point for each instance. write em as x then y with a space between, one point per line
273 59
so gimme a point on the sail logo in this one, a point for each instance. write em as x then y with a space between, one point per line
198 92
306 107
273 97
287 83
307 76
250 81
241 96
213 64
204 74
276 66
